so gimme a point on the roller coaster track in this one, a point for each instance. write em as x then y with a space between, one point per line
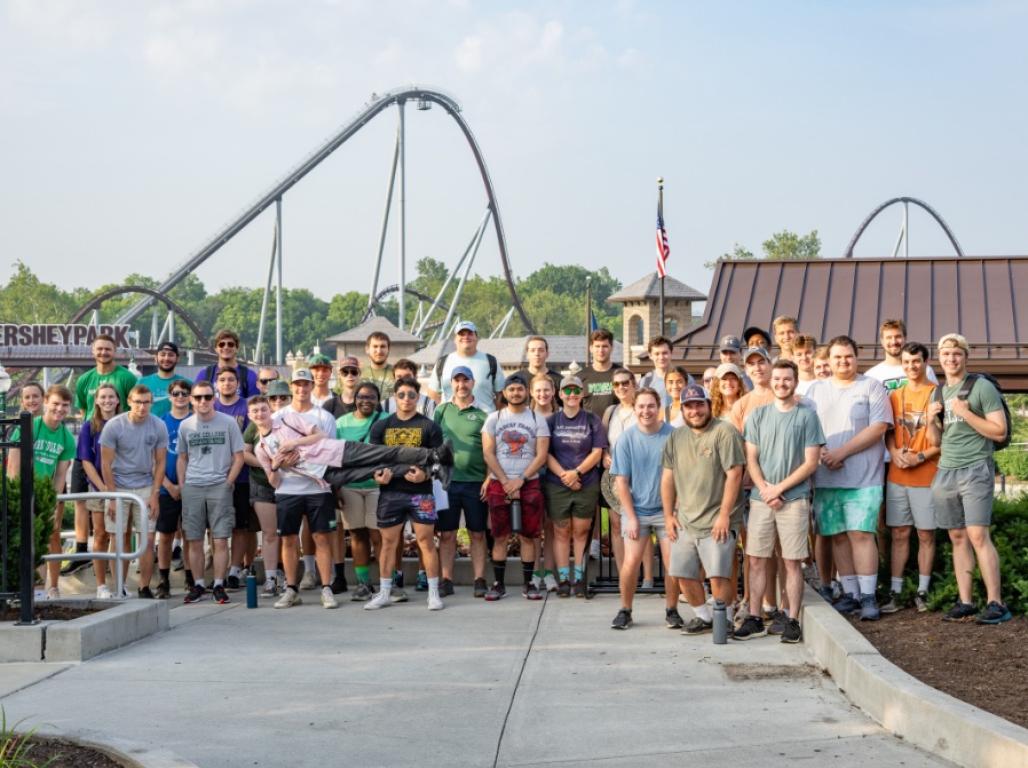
391 289
893 201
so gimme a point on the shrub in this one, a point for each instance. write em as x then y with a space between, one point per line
1013 462
46 500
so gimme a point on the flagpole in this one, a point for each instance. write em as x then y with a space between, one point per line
660 206
588 315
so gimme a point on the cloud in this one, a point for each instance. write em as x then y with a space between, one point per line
468 54
63 23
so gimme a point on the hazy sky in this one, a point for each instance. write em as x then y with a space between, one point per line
133 130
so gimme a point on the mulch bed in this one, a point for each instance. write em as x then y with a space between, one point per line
986 666
47 612
66 755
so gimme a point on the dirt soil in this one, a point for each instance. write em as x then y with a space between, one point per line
66 755
44 611
986 666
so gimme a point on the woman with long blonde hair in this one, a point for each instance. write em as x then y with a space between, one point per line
728 387
106 405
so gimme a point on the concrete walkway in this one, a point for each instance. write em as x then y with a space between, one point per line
507 684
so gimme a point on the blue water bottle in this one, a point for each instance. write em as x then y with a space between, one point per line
251 591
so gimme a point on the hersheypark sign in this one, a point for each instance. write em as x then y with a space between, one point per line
71 334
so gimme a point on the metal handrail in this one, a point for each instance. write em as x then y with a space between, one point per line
119 497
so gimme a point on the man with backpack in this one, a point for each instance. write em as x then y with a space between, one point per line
489 379
226 345
974 423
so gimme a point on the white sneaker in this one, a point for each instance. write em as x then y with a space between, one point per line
53 594
308 581
328 600
289 599
380 600
270 588
594 549
537 581
435 603
103 592
551 582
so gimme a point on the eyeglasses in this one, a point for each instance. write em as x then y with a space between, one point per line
142 402
707 379
572 390
276 398
622 383
407 394
266 382
350 371
366 398
205 398
180 393
226 344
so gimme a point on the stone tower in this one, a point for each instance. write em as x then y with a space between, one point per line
641 316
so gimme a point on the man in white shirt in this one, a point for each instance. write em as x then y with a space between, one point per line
489 378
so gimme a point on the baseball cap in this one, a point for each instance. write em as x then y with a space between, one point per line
571 381
319 360
302 374
694 393
726 368
516 378
350 362
169 345
750 351
465 325
462 370
954 340
731 344
278 387
754 329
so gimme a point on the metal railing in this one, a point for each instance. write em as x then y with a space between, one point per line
118 555
26 560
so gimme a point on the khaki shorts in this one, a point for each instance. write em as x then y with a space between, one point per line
360 508
131 511
791 524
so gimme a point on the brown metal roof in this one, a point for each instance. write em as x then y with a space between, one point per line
985 298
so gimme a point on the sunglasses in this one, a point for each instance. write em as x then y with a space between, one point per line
622 383
366 398
206 398
350 371
226 344
276 398
406 395
180 393
572 390
266 382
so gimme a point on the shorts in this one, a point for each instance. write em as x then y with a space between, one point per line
790 524
246 520
562 503
909 505
649 525
465 497
689 552
360 508
396 507
79 481
532 506
96 505
963 496
318 508
609 492
839 510
132 511
261 492
207 506
169 514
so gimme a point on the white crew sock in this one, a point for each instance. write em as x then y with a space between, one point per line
896 584
385 586
850 585
233 570
219 583
433 587
923 582
200 583
703 612
868 584
309 566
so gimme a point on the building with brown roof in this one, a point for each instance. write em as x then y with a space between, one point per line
640 320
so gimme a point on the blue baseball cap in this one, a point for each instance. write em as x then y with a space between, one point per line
462 370
694 393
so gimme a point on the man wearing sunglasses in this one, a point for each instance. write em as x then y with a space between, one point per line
169 517
226 345
345 400
265 376
489 378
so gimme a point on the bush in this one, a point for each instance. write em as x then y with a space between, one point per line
46 500
1013 462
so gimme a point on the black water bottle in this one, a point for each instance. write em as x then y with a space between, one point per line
515 515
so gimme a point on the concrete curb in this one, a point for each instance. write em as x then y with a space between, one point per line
902 704
131 754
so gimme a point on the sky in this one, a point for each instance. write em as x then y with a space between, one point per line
133 131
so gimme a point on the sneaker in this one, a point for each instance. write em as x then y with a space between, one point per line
289 598
673 619
270 588
74 566
623 620
647 583
398 595
145 593
778 621
594 550
176 558
195 594
53 594
422 584
219 595
124 594
793 633
921 602
836 590
580 589
380 600
442 473
826 594
232 583
480 588
847 604
537 580
362 594
103 592
960 612
697 626
308 581
446 587
435 602
893 605
550 581
163 590
994 613
564 589
339 585
531 592
328 599
751 627
496 592
869 610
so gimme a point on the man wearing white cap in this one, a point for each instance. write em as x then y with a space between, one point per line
489 378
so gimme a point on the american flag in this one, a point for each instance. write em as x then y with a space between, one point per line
663 249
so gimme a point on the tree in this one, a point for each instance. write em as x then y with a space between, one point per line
26 299
781 246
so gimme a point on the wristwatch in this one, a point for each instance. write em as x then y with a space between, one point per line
921 456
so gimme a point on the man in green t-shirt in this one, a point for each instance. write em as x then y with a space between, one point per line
964 485
53 448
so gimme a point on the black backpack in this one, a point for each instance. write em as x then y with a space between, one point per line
493 367
965 392
241 370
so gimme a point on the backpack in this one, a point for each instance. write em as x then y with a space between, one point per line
493 367
965 392
243 375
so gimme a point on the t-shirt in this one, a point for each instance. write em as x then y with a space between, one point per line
802 386
910 414
892 375
171 423
416 432
88 448
251 437
485 388
746 404
316 417
962 446
209 447
637 456
844 412
159 387
698 463
383 378
134 445
85 388
463 428
245 391
306 476
49 446
782 438
337 407
599 388
238 411
350 426
515 435
619 421
573 439
655 381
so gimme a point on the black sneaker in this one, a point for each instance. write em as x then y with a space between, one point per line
751 627
778 622
176 558
232 582
446 587
697 626
960 612
564 589
195 594
531 592
994 613
339 585
673 619
793 633
219 594
623 620
496 592
480 588
163 590
74 566
145 593
580 589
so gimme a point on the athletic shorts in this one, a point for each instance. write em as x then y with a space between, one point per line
790 525
261 492
246 520
169 514
649 525
131 512
79 481
396 507
963 497
532 506
318 508
464 497
207 506
909 505
688 553
360 508
839 510
562 503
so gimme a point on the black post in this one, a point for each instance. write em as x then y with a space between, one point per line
28 537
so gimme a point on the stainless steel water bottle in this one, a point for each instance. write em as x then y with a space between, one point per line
251 591
720 623
515 515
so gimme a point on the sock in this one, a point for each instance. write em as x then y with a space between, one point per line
703 612
189 576
81 546
176 542
868 584
340 571
433 586
201 583
219 583
539 573
896 584
564 573
165 574
233 571
292 587
421 572
850 585
499 571
398 578
923 582
362 572
579 572
526 571
308 564
385 586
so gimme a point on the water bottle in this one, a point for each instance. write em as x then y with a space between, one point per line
720 623
251 591
515 515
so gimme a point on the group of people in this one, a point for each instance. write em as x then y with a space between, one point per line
783 450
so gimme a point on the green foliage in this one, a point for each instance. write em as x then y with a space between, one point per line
26 299
15 747
1013 461
781 246
46 500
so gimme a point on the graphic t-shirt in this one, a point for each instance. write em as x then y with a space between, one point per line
134 445
159 387
573 439
515 435
599 388
350 426
384 378
463 428
49 446
171 423
782 439
88 448
637 455
85 388
416 432
893 377
910 431
209 447
962 446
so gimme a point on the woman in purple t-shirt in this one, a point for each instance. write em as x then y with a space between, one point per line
106 405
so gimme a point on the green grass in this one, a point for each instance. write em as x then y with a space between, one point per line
16 747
